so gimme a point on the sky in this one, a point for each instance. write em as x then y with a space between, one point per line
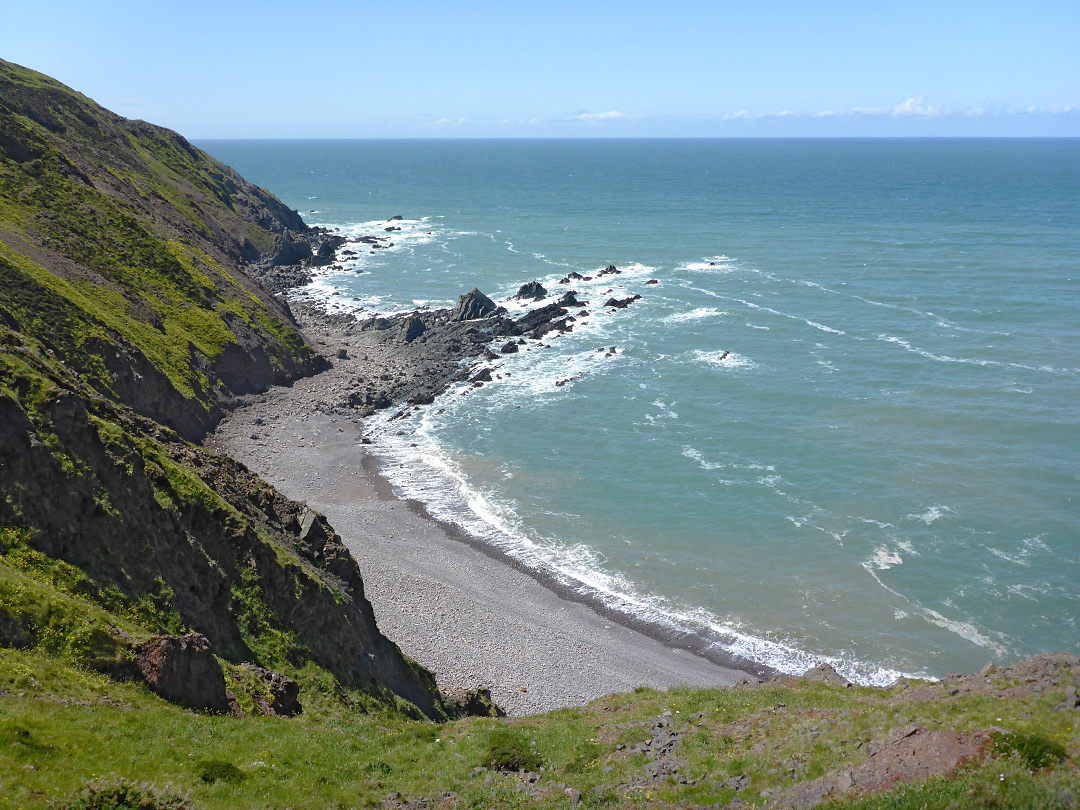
564 68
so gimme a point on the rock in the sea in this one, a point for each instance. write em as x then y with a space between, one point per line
575 276
652 281
609 271
283 693
474 304
482 376
534 290
510 348
183 669
621 303
396 218
571 300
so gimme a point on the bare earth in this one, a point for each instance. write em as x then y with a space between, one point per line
470 618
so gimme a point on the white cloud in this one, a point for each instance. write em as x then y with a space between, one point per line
915 106
443 123
604 116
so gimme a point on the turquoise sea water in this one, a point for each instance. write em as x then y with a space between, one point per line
884 469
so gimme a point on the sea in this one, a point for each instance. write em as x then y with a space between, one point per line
843 425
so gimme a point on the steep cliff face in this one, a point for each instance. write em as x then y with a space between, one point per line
126 321
122 248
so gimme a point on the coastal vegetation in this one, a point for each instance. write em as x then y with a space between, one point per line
128 322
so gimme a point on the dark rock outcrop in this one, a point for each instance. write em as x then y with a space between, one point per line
472 306
292 251
534 291
474 702
570 299
610 270
182 669
825 673
327 249
621 303
282 697
412 328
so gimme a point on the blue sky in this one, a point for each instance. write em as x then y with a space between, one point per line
565 69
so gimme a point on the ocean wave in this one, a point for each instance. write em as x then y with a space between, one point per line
720 265
694 315
931 514
418 468
965 630
724 359
944 358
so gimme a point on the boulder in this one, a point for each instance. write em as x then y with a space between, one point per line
575 276
396 218
291 252
534 290
282 693
609 271
509 348
474 304
182 669
474 702
327 249
824 673
412 328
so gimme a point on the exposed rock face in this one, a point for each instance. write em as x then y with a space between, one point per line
474 702
327 248
472 306
411 329
284 693
908 754
534 290
183 669
190 229
292 251
824 673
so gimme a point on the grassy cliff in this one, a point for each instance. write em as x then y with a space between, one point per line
121 250
127 320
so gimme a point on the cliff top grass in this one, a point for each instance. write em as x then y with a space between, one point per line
62 727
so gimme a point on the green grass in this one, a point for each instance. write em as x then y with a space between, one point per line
70 725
